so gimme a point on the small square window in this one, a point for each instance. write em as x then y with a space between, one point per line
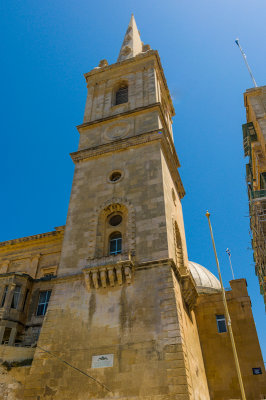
221 323
257 371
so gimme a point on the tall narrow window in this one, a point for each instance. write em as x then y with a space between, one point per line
121 95
4 296
115 243
221 323
16 295
25 299
44 298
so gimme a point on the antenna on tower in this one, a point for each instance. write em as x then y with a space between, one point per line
229 255
245 59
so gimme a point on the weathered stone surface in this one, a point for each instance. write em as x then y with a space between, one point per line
136 307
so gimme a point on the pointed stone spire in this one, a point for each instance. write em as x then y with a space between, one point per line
132 44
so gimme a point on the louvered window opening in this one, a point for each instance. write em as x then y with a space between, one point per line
121 95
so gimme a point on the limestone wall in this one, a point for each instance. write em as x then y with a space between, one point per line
12 379
217 350
31 255
11 353
137 323
101 89
141 192
108 131
174 214
12 383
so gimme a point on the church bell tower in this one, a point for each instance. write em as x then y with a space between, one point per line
122 306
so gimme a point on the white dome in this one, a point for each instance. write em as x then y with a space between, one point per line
205 281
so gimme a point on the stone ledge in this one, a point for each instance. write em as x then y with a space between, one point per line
117 116
119 144
16 354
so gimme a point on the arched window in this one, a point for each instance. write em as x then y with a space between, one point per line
115 243
121 95
115 229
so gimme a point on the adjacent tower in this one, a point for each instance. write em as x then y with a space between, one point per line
121 308
254 137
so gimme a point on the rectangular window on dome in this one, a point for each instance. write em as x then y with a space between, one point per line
221 323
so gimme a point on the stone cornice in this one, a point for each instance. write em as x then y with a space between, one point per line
115 145
155 263
117 116
117 273
255 91
120 144
28 240
156 106
121 64
12 275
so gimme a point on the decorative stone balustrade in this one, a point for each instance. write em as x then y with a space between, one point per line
105 275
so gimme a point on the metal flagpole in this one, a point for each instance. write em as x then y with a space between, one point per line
246 62
228 319
229 255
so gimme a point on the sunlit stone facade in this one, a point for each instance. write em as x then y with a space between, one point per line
109 305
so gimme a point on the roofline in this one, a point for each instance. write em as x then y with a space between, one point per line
57 232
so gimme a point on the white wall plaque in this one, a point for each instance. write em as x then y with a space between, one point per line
102 361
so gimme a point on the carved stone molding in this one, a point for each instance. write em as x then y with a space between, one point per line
187 285
189 290
113 204
105 276
115 145
117 130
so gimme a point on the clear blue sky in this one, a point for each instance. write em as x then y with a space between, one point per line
46 46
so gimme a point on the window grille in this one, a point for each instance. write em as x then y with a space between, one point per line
221 323
115 244
121 95
16 295
4 296
44 298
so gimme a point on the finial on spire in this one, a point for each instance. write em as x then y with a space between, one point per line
132 44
